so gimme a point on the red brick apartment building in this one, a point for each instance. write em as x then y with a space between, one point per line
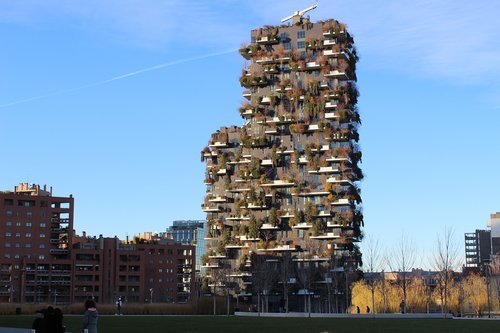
42 260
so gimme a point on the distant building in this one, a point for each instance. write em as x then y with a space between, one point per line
482 246
494 225
185 232
42 261
190 232
477 249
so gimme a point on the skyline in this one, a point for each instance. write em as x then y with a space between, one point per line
428 69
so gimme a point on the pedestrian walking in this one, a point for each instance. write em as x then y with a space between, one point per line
90 317
119 306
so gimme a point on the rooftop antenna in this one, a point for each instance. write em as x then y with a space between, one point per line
297 16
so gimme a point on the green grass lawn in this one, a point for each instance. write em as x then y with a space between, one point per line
222 324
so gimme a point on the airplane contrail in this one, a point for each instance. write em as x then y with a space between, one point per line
119 77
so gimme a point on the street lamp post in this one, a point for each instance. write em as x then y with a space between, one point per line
151 295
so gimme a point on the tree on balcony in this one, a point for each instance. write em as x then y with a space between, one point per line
273 217
254 227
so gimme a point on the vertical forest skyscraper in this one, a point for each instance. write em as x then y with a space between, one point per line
282 188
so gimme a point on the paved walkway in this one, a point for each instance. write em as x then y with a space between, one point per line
14 330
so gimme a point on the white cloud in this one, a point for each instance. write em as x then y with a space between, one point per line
441 39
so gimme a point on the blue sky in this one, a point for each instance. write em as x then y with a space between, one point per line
128 148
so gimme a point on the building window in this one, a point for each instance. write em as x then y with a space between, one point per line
8 213
7 245
42 225
18 234
16 256
29 214
8 234
18 245
287 46
301 44
18 224
283 36
8 202
42 246
26 203
27 245
41 257
8 224
301 34
42 235
6 256
29 224
28 234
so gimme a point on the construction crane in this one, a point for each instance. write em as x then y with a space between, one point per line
297 16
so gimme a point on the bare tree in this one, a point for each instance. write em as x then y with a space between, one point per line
373 263
401 260
495 275
285 272
445 260
264 277
220 283
305 271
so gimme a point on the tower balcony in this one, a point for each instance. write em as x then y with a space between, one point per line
247 238
272 131
247 94
256 206
313 65
339 180
324 213
324 170
266 100
221 172
334 33
302 225
265 60
240 275
217 256
331 224
238 218
312 194
334 54
208 209
287 214
218 199
268 226
337 74
329 42
328 235
218 145
280 248
341 202
279 183
331 105
236 246
268 40
313 258
337 159
331 115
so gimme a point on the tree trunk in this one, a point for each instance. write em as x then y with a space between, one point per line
373 299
